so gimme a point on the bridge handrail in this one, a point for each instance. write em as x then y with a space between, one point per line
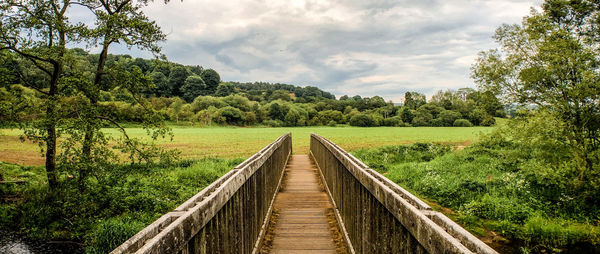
173 230
434 231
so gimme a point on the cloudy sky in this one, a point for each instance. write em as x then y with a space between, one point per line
365 47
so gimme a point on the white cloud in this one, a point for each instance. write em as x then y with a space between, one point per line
377 47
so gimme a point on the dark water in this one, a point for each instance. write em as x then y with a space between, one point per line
12 243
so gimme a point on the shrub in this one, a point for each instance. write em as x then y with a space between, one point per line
362 120
488 121
393 121
331 123
449 116
462 123
437 123
232 115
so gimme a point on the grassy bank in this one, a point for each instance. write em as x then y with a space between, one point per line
117 203
235 142
492 188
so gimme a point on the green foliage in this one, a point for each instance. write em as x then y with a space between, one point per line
558 72
177 78
193 87
462 123
393 121
519 180
224 89
448 117
112 232
119 201
211 79
362 120
231 115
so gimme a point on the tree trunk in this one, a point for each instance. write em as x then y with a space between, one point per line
90 132
51 110
51 127
51 152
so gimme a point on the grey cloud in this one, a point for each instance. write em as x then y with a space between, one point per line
383 47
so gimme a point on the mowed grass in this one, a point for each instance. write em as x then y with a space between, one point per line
239 142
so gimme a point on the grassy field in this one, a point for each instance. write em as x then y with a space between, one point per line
234 142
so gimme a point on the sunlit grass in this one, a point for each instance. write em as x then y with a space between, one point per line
238 142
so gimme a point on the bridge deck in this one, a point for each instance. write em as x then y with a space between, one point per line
303 219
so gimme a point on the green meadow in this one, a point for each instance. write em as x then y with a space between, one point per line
239 142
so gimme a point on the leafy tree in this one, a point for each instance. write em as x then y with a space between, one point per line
211 79
280 95
38 32
552 60
276 111
406 114
142 64
238 101
414 100
205 102
119 21
224 89
194 86
161 84
296 116
177 78
447 117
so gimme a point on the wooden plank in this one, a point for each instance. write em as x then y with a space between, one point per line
302 224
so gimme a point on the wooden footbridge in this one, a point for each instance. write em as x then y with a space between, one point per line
325 202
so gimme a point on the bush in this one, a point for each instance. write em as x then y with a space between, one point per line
362 120
232 115
393 121
462 123
488 121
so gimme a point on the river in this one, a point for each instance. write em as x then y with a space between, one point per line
13 243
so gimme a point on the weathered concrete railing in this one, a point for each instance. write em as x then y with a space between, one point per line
229 216
377 216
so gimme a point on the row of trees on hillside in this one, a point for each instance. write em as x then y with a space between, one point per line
193 94
280 108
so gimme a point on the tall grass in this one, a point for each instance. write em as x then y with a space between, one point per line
117 201
488 189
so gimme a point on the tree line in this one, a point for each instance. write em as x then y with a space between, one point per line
192 94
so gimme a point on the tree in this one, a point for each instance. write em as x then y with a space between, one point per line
38 32
552 60
277 111
194 86
119 21
211 79
177 78
406 114
224 89
414 100
161 84
448 117
280 95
